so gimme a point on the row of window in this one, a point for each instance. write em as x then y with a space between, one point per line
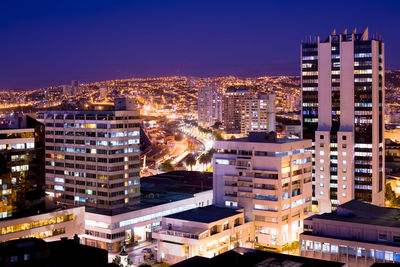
350 251
35 224
93 150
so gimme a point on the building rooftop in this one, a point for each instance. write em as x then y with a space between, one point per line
188 182
251 257
356 211
164 188
206 214
263 137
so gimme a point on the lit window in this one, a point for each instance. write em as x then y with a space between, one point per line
321 193
344 154
344 195
321 185
344 186
322 153
344 178
321 176
321 169
344 162
321 161
344 170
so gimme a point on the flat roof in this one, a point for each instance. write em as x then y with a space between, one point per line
263 137
206 214
356 211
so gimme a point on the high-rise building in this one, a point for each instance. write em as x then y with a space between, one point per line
92 156
342 112
209 105
233 108
259 114
22 177
271 179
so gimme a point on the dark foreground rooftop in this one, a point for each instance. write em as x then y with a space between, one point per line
207 214
250 257
64 252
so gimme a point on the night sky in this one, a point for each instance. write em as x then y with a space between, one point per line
45 43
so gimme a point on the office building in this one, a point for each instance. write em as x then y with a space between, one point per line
357 233
271 179
92 156
258 114
206 232
209 105
22 177
342 112
233 108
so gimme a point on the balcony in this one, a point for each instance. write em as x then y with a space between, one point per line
181 234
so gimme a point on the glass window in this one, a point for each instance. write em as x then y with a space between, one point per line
325 247
334 249
317 246
380 254
389 255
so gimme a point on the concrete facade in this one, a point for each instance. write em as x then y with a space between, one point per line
180 239
357 233
270 179
343 95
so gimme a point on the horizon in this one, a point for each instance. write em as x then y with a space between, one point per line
49 44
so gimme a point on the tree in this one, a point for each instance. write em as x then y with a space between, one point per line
389 193
203 159
117 260
190 161
167 166
217 136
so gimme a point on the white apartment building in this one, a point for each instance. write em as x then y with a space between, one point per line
209 105
92 156
207 232
271 179
342 112
357 233
109 231
259 114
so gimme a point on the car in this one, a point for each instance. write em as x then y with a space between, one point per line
146 250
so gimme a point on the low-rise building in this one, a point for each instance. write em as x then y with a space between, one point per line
49 225
207 232
134 224
357 233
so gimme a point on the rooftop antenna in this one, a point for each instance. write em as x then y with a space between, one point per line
333 32
365 34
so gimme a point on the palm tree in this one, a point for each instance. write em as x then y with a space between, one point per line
190 161
203 159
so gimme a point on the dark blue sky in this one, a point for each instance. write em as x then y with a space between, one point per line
46 43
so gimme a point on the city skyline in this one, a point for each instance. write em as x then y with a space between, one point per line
47 44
